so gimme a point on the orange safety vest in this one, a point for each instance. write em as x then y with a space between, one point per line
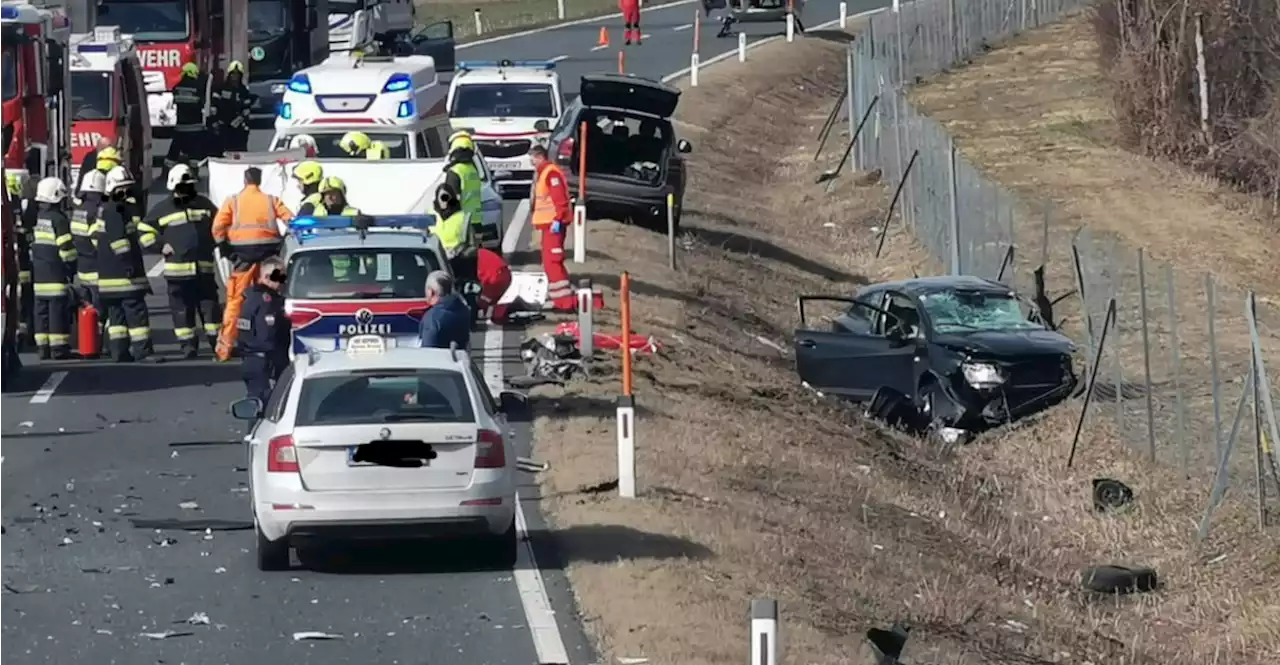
544 208
249 218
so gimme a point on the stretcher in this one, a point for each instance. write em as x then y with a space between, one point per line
754 11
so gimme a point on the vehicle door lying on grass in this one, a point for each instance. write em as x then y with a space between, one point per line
864 348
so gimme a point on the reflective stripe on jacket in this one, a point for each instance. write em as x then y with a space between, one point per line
249 218
52 253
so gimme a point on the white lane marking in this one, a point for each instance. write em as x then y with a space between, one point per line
541 619
567 24
157 269
686 26
519 218
600 47
644 37
558 58
45 393
761 42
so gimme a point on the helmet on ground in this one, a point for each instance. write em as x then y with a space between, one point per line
308 173
51 190
353 142
461 141
14 183
236 67
378 150
178 175
191 70
94 181
333 184
118 177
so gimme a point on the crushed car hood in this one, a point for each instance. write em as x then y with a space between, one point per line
1008 343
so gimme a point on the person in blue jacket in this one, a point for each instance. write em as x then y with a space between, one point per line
448 319
265 332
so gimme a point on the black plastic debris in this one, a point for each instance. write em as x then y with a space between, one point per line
1110 494
10 587
210 524
888 644
1117 579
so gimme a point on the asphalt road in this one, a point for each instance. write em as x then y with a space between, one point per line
90 446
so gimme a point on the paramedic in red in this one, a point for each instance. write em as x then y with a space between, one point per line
551 216
495 278
631 17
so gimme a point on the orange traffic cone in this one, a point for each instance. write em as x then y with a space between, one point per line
604 37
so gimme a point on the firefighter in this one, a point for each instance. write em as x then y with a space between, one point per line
631 21
188 144
103 146
26 210
122 280
494 276
232 105
181 221
264 344
246 231
334 195
462 174
309 174
92 192
355 144
53 259
456 233
550 210
377 150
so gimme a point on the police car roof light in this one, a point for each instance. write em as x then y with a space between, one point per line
300 83
304 227
398 82
469 65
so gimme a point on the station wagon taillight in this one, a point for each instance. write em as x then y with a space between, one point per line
282 457
489 450
565 153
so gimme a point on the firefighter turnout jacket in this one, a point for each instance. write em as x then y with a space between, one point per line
185 225
83 220
465 178
53 252
188 102
232 105
120 269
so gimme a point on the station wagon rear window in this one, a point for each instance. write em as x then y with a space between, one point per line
385 396
360 273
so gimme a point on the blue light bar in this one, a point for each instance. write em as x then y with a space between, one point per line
341 223
398 82
93 48
300 83
8 12
491 64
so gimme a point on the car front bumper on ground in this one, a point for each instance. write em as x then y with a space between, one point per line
386 514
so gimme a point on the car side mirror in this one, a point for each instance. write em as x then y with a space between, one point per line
249 408
684 147
542 126
510 402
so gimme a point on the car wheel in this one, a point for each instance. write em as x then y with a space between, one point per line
272 554
501 550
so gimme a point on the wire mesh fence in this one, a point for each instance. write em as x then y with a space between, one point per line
1176 366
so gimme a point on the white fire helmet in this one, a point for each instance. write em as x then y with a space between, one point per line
305 142
178 175
118 177
51 190
94 181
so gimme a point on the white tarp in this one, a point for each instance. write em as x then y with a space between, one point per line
384 187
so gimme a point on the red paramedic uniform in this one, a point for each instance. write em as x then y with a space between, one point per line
495 278
631 18
552 215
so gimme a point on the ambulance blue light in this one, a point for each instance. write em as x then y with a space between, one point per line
286 111
300 83
9 12
92 48
405 110
398 83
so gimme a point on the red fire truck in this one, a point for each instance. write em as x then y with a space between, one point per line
109 101
171 33
37 119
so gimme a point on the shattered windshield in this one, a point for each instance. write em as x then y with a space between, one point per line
968 311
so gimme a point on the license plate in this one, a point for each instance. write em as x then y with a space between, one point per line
343 341
505 165
351 458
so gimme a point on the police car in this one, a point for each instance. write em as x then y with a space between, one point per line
345 281
507 106
379 441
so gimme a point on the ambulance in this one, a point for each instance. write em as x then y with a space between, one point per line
109 100
507 106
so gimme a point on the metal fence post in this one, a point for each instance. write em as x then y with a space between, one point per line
955 207
852 119
1176 344
1146 356
1211 295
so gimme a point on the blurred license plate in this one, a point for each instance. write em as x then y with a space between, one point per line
342 342
351 458
505 165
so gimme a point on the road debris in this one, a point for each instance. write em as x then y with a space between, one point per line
20 588
189 505
206 525
168 634
197 619
315 635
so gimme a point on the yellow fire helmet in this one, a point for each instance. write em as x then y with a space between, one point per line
235 66
108 158
353 142
308 173
333 184
13 182
378 150
191 70
463 142
459 134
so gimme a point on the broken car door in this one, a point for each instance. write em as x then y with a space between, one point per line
855 357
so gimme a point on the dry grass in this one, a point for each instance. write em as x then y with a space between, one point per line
752 487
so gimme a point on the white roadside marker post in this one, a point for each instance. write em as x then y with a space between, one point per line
742 47
580 232
764 632
586 325
844 13
479 24
791 27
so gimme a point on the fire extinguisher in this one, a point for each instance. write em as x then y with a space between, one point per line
89 333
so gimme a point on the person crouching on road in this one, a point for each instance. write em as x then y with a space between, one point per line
550 210
265 333
182 222
448 320
333 193
495 278
53 260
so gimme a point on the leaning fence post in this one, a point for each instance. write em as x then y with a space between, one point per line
1146 355
1263 381
586 326
626 401
1220 477
764 632
1179 405
1210 292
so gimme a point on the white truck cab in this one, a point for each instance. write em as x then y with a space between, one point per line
399 101
507 106
109 101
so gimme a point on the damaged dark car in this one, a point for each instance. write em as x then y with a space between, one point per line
959 353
